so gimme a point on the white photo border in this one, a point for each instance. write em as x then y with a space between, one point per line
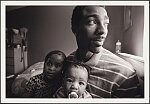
73 3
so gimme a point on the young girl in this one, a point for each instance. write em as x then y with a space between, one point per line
45 85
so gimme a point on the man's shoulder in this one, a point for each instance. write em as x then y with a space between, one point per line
109 56
121 65
72 56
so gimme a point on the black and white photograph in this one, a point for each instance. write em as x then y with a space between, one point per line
74 51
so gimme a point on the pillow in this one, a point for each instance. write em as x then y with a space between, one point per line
136 61
138 64
18 86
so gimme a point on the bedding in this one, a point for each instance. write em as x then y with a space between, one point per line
18 85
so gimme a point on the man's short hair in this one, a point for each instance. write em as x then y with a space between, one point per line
77 16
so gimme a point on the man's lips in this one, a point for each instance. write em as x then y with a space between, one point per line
99 38
98 42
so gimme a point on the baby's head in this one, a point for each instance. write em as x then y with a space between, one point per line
53 64
75 78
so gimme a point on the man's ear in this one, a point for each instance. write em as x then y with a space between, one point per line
75 30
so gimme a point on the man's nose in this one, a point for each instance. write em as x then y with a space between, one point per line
100 30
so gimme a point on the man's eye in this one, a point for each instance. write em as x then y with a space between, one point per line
91 22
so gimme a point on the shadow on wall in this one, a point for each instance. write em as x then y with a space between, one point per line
49 29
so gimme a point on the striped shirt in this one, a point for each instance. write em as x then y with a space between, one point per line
110 76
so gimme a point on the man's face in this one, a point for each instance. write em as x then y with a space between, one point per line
53 66
92 29
76 80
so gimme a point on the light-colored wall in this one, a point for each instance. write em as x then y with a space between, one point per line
115 28
133 37
50 29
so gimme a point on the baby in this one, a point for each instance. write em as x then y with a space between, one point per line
45 85
75 81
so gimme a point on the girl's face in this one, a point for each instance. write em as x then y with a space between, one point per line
76 80
53 66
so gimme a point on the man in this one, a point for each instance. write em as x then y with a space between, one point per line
110 76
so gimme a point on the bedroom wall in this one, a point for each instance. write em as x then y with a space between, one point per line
50 29
133 37
115 28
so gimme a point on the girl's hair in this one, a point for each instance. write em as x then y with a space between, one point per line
55 52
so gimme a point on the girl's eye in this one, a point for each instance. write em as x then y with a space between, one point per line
49 64
58 65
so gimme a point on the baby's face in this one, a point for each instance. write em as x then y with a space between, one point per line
76 80
53 66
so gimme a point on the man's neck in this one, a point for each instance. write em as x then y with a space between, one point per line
84 55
